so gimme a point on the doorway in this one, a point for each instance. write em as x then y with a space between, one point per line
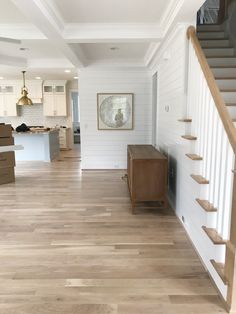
75 117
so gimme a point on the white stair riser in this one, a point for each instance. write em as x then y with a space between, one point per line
231 72
215 43
221 61
219 52
225 84
214 35
229 97
210 28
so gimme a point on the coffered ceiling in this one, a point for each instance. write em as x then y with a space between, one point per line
62 34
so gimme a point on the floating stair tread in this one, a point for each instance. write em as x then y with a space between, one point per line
220 269
214 236
199 179
207 206
194 157
230 104
189 137
185 120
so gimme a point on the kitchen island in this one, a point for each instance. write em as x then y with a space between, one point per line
38 146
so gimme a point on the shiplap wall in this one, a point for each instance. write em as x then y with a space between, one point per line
171 65
108 149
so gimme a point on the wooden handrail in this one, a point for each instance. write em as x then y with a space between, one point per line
214 89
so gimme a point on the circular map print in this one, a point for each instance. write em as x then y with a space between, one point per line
115 111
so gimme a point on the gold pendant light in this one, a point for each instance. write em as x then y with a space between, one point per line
24 100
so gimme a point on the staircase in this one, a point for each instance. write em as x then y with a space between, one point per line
221 57
210 130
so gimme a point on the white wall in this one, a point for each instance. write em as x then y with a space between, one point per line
107 149
171 64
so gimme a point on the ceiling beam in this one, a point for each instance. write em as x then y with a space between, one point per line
49 22
112 32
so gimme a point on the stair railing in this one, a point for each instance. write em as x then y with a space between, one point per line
216 144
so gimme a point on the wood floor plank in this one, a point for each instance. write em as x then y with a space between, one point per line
69 244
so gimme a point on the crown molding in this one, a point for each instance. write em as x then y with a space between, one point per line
155 61
152 49
170 14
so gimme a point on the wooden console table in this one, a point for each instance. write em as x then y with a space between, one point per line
147 175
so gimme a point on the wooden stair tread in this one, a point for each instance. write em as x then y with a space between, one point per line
234 119
185 120
189 137
207 206
220 269
199 179
214 236
194 157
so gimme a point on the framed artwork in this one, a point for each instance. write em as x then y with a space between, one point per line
115 111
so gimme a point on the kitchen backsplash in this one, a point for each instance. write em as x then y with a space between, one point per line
33 115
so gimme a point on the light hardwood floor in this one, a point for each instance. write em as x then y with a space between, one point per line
69 244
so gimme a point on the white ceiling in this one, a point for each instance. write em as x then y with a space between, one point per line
9 13
72 34
103 51
34 49
111 11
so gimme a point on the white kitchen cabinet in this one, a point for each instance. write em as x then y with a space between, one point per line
8 100
54 98
64 138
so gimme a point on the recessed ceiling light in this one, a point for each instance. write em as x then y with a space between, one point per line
1 78
114 48
67 71
38 78
23 48
76 77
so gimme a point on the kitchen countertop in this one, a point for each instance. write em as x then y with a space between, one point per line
10 148
35 132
